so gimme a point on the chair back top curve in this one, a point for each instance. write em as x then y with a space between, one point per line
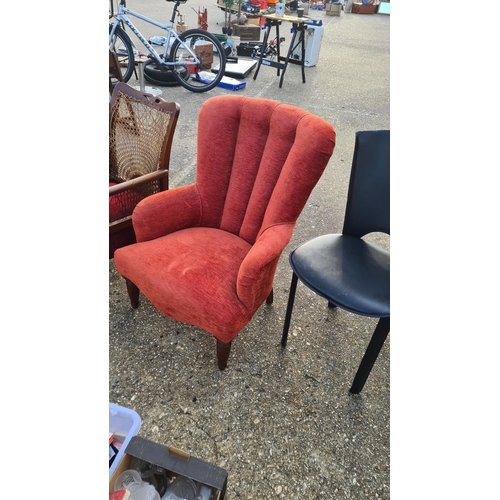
257 162
141 129
368 198
114 71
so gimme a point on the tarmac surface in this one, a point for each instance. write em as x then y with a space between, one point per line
280 421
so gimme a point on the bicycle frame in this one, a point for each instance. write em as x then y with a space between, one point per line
122 17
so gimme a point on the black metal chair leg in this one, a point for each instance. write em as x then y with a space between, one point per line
291 298
371 354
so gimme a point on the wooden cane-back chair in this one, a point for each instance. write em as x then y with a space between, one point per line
141 130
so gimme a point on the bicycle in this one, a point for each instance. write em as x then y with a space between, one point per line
195 57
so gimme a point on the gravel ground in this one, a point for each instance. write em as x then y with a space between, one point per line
280 421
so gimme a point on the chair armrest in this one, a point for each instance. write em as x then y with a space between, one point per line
123 197
138 181
120 224
256 273
165 212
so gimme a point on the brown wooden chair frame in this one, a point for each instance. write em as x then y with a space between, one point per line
122 90
114 71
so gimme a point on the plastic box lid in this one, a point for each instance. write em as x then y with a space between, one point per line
123 422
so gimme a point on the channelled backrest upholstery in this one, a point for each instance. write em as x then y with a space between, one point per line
268 156
368 200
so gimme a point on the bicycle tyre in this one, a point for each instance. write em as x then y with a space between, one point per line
121 45
161 75
215 60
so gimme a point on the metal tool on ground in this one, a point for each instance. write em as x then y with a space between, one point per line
202 18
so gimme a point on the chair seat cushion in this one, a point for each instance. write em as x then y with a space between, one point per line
190 276
347 271
122 204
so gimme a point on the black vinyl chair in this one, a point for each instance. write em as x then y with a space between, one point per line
343 268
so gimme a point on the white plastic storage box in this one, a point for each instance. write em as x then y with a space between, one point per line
312 43
124 424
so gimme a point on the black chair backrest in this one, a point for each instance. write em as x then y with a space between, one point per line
368 199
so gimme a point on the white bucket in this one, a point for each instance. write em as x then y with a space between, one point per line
235 41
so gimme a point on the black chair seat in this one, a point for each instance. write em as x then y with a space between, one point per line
347 271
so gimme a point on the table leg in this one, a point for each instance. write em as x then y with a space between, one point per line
264 44
278 46
290 49
302 42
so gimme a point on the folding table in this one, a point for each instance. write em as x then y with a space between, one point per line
274 21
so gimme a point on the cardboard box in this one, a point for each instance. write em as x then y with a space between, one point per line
205 52
255 21
247 32
176 463
359 8
179 28
333 9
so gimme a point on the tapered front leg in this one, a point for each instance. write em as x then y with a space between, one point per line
133 293
223 351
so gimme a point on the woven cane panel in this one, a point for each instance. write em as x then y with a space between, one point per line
136 135
136 138
121 205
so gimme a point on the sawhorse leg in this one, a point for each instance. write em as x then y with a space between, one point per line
303 44
262 48
278 47
297 29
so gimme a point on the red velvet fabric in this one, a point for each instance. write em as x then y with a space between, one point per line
207 253
121 205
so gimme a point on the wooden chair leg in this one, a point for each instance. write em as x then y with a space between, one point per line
223 351
270 297
133 293
371 354
288 316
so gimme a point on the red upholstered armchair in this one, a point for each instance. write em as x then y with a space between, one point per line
206 253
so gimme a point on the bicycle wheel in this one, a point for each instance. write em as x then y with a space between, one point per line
209 71
121 45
